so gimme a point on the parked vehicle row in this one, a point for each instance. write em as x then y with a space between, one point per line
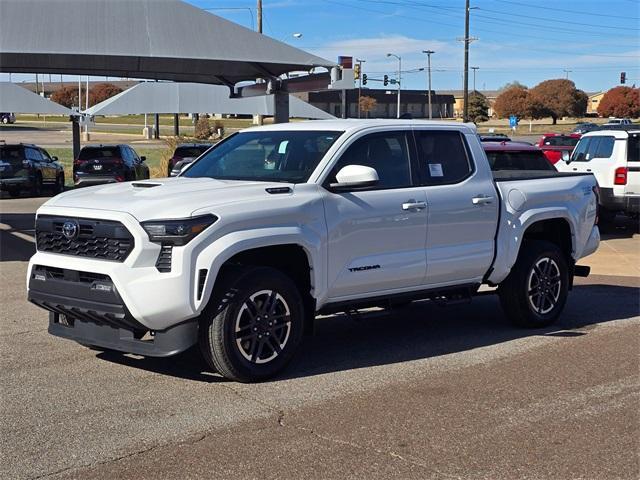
276 224
27 167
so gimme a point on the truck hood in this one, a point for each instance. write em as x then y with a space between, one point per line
164 198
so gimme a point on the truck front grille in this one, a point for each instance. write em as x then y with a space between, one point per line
102 239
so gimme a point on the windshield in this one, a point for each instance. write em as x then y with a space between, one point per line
523 160
265 156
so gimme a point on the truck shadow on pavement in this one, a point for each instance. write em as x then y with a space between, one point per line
15 231
419 331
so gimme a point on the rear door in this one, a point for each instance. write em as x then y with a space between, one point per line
462 209
49 169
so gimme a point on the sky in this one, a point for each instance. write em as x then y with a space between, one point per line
524 40
515 40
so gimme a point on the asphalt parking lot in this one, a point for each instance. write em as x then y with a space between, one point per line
421 392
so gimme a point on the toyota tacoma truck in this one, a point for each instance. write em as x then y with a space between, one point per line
277 224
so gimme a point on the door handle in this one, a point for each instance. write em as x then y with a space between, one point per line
482 200
413 205
588 169
575 169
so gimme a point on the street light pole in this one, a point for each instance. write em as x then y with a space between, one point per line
567 72
429 52
399 78
359 62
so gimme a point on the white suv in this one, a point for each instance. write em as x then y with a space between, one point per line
613 156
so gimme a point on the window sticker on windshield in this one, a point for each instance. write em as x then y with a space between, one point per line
435 170
282 149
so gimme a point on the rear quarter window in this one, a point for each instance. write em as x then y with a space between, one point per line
633 148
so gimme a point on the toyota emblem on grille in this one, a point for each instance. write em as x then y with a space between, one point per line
70 229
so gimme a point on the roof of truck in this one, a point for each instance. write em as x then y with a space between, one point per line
356 124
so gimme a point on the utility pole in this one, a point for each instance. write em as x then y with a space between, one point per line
258 118
474 77
465 94
359 62
567 72
429 52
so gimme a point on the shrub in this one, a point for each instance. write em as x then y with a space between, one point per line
203 129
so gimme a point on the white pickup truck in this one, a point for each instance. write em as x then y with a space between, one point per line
276 224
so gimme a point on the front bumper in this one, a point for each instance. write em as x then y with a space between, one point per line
87 308
14 182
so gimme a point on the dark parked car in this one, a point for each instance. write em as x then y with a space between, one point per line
28 167
6 117
516 156
494 137
185 154
97 164
584 127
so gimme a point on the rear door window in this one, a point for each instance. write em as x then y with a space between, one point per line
604 148
11 154
442 157
633 148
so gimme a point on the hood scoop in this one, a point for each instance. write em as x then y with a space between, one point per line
145 185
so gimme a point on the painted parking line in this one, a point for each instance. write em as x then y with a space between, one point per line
23 236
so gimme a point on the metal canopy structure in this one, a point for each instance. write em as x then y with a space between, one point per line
16 99
153 39
163 97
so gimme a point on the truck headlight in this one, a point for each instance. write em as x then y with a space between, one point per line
177 232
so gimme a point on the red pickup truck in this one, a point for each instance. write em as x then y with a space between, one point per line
555 144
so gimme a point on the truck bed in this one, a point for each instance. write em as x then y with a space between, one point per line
510 175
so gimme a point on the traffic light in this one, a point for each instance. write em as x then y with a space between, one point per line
623 77
364 79
356 71
385 82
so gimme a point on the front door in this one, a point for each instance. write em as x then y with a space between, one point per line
462 209
376 237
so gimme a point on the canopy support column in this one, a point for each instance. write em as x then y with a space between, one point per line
75 136
280 107
176 125
156 133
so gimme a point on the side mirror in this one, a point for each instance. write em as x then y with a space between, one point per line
54 159
566 156
355 177
143 158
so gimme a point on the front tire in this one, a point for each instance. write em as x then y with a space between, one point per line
252 325
36 188
535 292
59 187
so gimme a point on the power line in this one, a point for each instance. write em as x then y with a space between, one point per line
574 12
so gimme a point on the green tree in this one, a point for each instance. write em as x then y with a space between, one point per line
557 98
514 84
478 107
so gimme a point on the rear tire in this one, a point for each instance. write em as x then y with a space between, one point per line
535 292
253 324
